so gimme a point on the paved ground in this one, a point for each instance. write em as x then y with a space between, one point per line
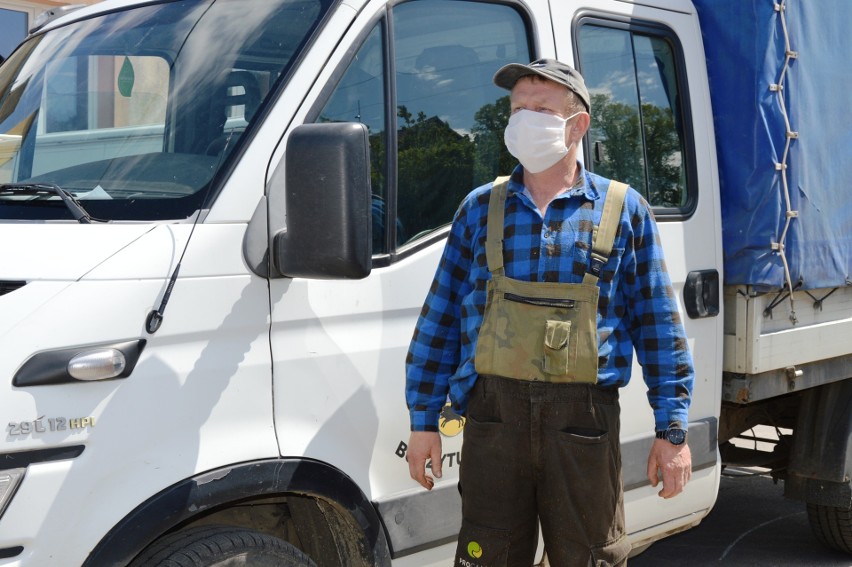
752 525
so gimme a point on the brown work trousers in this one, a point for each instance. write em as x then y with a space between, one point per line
541 452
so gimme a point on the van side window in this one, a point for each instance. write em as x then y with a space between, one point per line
637 132
360 97
449 117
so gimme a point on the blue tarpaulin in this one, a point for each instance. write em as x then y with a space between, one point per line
745 47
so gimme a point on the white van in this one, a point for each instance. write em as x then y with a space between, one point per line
218 223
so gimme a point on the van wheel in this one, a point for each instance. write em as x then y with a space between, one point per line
832 526
221 546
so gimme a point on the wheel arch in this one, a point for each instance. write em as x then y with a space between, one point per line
355 527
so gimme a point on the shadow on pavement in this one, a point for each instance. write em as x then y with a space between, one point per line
752 524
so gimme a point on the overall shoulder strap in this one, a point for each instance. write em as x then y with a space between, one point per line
603 236
494 226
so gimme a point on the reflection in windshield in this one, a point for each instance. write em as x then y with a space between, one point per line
136 111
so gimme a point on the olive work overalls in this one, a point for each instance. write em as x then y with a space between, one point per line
541 439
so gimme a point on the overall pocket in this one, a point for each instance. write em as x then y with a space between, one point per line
557 340
534 331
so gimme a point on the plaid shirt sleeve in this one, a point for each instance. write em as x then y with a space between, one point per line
435 347
655 325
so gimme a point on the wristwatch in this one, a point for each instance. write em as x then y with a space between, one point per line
673 435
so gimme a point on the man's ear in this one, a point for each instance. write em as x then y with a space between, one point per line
581 125
578 128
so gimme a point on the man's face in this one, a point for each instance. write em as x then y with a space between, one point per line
540 95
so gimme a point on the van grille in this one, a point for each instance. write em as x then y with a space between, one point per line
10 286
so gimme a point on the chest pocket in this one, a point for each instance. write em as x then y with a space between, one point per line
539 331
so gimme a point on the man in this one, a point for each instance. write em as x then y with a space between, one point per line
530 326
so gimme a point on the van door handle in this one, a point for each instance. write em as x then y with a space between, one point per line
701 294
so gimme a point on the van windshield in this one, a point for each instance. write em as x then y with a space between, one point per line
134 112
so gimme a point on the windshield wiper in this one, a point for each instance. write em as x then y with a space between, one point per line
76 209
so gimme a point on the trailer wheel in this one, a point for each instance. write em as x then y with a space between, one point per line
221 546
832 526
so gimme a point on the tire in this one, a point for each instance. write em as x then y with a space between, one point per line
221 546
832 526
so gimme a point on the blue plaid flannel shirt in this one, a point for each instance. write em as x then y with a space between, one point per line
636 307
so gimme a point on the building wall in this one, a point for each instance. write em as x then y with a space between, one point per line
17 16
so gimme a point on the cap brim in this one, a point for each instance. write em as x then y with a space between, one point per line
508 75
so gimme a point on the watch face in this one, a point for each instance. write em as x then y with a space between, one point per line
676 436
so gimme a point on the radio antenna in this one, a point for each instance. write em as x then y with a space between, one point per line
155 317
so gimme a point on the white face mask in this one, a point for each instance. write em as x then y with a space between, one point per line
536 139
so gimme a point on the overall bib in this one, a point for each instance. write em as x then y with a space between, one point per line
543 331
541 439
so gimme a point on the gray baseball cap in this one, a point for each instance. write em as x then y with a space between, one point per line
550 69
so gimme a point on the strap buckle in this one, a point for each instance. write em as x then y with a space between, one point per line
597 263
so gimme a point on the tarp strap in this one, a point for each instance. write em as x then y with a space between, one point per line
818 301
791 135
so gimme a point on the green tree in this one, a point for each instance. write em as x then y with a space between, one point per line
645 153
615 130
491 157
666 176
435 165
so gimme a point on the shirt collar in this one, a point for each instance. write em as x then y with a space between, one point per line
586 188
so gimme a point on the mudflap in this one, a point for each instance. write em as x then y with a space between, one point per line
821 460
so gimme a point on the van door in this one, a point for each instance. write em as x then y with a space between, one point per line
419 76
651 127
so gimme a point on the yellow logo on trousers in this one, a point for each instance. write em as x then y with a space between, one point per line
474 550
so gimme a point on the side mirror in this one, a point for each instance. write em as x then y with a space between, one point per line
327 204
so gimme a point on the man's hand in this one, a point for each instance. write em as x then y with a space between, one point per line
675 463
424 445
